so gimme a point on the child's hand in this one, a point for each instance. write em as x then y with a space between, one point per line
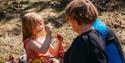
48 30
12 59
59 37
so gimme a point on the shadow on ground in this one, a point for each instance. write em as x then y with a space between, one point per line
15 9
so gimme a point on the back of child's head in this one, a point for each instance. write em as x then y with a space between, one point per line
83 11
29 22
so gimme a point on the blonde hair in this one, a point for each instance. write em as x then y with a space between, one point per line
83 11
29 22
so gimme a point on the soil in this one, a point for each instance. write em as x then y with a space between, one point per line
53 13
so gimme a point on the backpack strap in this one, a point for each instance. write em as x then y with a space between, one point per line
101 49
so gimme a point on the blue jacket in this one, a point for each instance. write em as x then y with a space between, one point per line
113 48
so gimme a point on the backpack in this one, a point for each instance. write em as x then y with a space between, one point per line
111 38
101 48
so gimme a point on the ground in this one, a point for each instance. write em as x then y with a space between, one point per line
11 33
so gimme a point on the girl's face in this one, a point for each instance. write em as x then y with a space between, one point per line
73 24
38 28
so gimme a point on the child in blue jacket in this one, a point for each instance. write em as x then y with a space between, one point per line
112 46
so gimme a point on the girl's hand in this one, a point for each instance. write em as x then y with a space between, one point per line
48 31
59 37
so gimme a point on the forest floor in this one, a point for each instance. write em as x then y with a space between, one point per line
10 24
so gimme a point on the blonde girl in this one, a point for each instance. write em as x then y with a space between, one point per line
37 39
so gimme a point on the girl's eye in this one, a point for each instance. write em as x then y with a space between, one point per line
39 22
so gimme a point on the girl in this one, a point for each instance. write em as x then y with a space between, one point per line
88 47
37 39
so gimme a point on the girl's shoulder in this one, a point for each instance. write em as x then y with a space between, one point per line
28 40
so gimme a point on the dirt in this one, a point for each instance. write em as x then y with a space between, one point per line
10 24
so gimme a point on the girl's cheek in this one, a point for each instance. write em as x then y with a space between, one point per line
34 32
39 29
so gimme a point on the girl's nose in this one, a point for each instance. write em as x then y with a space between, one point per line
40 26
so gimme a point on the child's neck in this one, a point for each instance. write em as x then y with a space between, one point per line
40 35
43 34
83 28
